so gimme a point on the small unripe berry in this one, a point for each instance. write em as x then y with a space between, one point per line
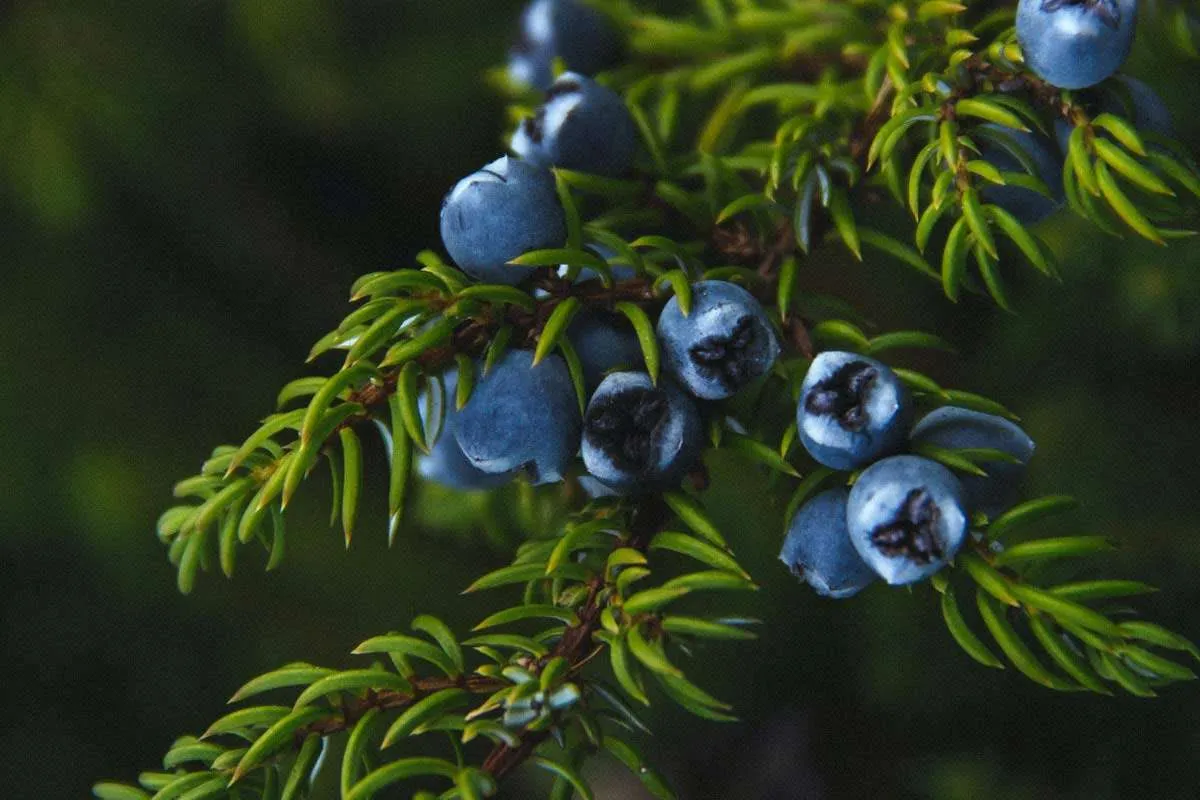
818 547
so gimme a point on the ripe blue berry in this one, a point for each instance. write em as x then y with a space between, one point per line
853 410
581 126
726 341
581 36
818 547
638 437
445 463
522 417
1074 44
494 215
907 518
961 428
1026 205
604 342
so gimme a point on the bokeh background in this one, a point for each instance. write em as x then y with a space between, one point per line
187 190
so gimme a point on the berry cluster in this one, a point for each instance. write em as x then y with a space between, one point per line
906 515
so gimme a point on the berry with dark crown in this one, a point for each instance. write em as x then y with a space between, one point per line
581 126
852 411
638 437
726 341
907 517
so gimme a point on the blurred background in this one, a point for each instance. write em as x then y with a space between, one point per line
187 190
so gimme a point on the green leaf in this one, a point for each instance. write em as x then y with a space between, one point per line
1121 130
1083 591
283 678
523 573
1128 167
398 771
649 652
298 776
962 633
571 257
522 613
1125 208
647 338
757 451
1066 610
1011 227
352 483
713 580
1030 512
1017 651
566 773
843 220
352 681
115 791
1059 547
749 202
1066 659
509 641
690 513
625 670
908 340
425 710
441 633
983 108
988 578
705 629
897 250
329 392
245 719
653 599
654 783
954 259
694 699
408 404
279 735
702 551
409 646
682 287
555 328
400 466
356 748
1158 635
508 295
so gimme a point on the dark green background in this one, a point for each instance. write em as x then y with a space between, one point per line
187 190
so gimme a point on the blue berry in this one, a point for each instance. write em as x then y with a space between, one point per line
522 417
1026 205
726 341
445 463
582 37
494 215
581 126
853 410
818 547
1074 44
907 518
638 437
960 428
604 342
